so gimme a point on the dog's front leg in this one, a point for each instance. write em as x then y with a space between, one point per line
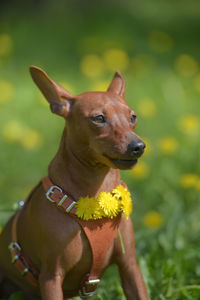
51 286
125 257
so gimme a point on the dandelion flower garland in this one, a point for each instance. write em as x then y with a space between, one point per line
105 205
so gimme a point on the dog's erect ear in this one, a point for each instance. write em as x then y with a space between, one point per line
59 99
117 85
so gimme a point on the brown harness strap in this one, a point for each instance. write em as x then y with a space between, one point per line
100 234
19 258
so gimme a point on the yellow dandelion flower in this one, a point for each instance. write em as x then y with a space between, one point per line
147 108
32 140
140 171
116 59
6 44
98 212
127 206
189 180
153 219
108 203
189 124
160 41
85 207
6 91
126 201
168 145
13 131
119 191
91 65
141 64
186 65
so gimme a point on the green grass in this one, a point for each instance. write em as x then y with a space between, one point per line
57 38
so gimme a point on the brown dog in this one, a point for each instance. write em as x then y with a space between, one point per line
98 139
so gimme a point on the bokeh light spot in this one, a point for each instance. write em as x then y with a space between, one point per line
67 87
13 131
101 86
186 65
32 139
189 124
141 170
147 108
153 219
189 180
197 83
6 44
91 65
168 145
6 91
116 59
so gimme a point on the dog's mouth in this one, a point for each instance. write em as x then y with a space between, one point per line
122 164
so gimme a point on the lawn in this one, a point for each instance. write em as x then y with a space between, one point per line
156 47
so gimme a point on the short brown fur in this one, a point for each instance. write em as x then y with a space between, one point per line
87 162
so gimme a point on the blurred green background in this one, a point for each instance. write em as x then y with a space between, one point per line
156 46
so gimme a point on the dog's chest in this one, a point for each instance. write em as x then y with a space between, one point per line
77 260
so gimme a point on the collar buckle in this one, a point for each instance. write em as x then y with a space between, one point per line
83 293
52 190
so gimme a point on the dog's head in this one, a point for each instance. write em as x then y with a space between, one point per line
99 124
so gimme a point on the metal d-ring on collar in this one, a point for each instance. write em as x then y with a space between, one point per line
82 292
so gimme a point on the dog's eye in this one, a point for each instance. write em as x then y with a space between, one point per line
98 119
133 119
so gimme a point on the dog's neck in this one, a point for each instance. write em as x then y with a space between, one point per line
78 175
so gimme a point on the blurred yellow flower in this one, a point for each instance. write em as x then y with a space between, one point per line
147 108
6 91
32 140
67 87
189 124
197 83
116 59
141 64
42 99
141 170
160 41
197 185
168 145
92 65
13 131
148 147
189 180
153 219
101 86
186 65
6 44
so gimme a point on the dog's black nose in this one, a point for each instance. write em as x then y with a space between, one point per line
136 148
